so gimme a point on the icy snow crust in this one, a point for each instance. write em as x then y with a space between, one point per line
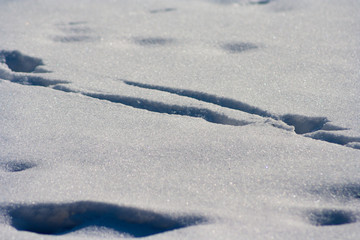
202 119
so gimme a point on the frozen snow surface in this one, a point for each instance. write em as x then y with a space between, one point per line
179 119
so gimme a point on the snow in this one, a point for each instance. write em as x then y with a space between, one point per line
181 119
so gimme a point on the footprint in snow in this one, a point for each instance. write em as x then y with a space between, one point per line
333 216
16 166
163 10
20 68
241 2
75 31
64 218
318 128
340 192
153 41
19 62
330 217
239 47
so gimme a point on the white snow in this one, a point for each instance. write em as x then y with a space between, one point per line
179 119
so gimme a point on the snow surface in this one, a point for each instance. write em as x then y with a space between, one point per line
179 119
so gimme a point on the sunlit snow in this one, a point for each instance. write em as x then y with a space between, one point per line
179 119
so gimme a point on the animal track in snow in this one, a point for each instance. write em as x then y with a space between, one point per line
63 218
260 2
341 192
302 124
153 41
20 67
205 97
79 27
76 31
73 23
159 107
19 62
16 166
242 2
328 217
239 47
313 127
163 10
306 126
72 38
336 138
32 80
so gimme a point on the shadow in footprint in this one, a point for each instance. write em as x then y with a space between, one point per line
329 217
64 218
16 166
19 62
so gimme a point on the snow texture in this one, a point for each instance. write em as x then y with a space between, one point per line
181 119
